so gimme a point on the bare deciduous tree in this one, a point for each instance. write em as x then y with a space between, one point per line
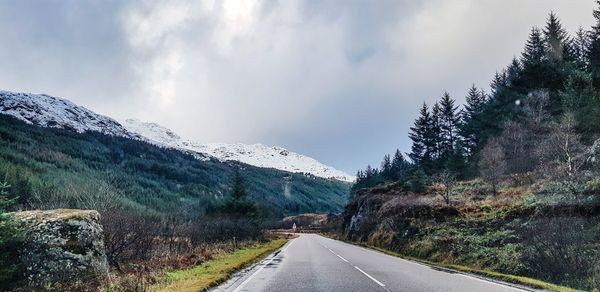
493 163
445 180
128 237
563 155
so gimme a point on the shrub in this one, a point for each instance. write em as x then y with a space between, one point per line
9 242
559 249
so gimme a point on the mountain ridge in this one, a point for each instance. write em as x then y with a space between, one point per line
56 112
259 155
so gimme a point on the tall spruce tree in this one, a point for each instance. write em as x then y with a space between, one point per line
420 136
513 71
535 50
498 83
449 121
399 166
471 125
386 168
556 39
238 205
581 45
594 49
434 136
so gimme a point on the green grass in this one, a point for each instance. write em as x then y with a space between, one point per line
533 283
217 270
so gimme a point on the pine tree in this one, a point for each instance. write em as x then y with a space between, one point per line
594 49
238 191
535 51
449 120
513 71
238 204
498 83
419 136
581 44
471 125
556 40
386 168
399 166
434 135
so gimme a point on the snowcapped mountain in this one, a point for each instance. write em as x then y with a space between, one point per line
255 154
54 112
48 111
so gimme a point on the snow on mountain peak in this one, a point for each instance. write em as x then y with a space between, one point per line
54 112
255 154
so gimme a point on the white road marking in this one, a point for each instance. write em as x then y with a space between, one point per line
365 273
343 259
415 263
370 277
240 286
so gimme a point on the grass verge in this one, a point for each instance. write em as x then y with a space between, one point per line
215 271
520 280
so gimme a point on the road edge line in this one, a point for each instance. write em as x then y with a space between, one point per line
274 255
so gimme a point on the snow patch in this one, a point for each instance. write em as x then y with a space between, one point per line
255 154
54 112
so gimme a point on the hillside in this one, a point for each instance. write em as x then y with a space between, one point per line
55 112
508 182
51 167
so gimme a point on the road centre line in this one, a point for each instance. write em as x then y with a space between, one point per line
370 277
365 273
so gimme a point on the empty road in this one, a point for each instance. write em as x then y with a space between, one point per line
315 263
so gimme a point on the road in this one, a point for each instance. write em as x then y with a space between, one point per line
315 263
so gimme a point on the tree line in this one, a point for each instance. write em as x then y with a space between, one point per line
547 96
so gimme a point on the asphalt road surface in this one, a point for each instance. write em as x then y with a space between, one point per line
315 263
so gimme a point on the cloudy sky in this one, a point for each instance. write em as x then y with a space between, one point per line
337 80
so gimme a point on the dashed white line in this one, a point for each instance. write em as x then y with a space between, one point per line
345 260
370 277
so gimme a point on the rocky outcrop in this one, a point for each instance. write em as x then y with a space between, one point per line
62 246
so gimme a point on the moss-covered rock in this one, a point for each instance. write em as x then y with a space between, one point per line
62 246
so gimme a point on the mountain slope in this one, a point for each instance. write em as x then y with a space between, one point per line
56 154
59 168
48 111
256 154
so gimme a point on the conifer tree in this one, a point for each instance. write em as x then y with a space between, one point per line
471 125
581 44
399 166
434 135
449 120
594 49
420 136
238 204
513 71
386 167
556 40
535 51
498 83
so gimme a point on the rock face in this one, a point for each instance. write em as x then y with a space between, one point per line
63 246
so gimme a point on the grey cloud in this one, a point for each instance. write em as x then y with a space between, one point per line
338 80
